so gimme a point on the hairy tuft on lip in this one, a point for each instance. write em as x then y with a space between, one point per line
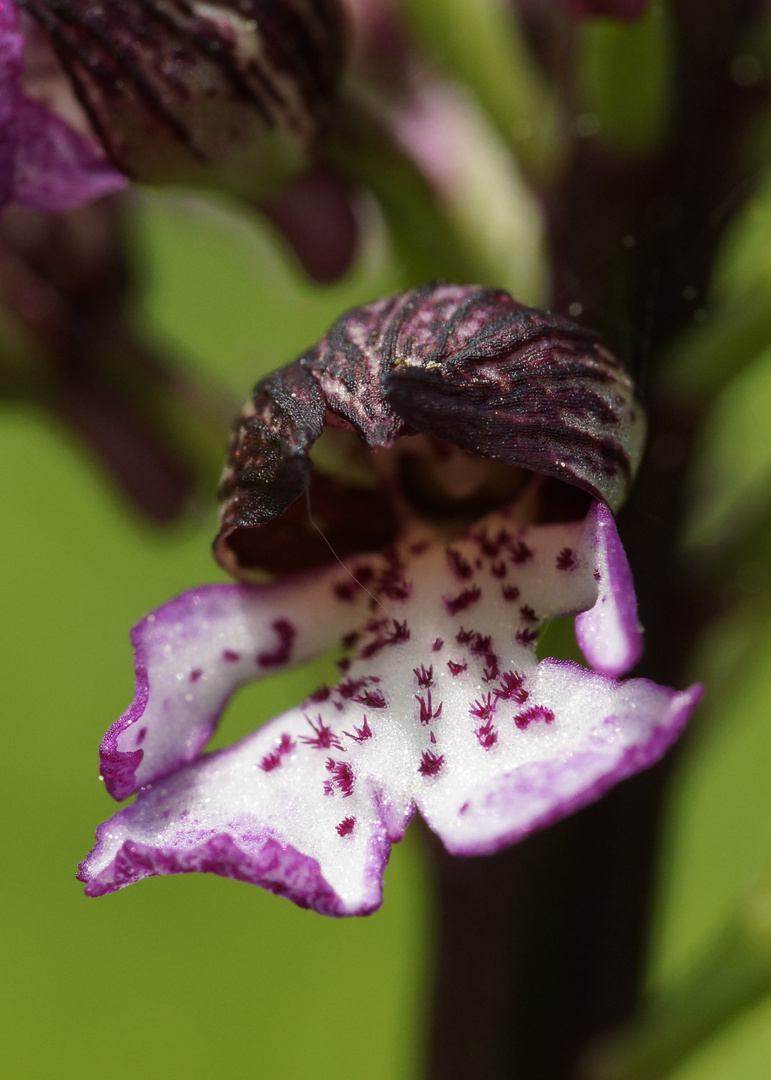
469 366
229 92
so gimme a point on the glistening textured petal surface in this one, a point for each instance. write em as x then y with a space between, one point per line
444 708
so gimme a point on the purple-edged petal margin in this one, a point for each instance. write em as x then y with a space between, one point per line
192 653
609 633
443 707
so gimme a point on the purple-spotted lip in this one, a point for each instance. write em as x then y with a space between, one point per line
441 707
633 760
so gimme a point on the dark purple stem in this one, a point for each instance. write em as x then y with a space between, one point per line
541 949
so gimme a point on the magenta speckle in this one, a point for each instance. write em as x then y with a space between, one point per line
342 776
455 668
196 674
346 590
346 826
231 657
270 762
487 735
512 687
498 569
424 676
286 743
520 552
427 710
536 713
362 733
437 645
430 763
567 559
464 637
282 650
323 737
141 736
465 808
597 575
526 637
373 699
483 709
399 634
510 592
349 688
321 693
462 601
459 566
527 614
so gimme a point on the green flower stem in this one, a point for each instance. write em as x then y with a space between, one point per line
734 974
479 43
424 235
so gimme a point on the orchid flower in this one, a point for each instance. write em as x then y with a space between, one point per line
45 164
443 706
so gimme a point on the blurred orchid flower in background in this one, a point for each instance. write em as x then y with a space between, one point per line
45 164
443 706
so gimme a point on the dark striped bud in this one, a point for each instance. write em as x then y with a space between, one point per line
470 366
222 93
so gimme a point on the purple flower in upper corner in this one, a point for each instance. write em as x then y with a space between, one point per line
442 705
45 164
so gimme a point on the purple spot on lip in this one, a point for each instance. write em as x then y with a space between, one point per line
534 713
487 735
342 777
196 674
460 566
323 737
567 559
230 656
520 552
270 762
373 699
438 643
456 669
346 826
425 677
427 710
282 651
430 763
483 709
362 733
141 736
510 592
463 600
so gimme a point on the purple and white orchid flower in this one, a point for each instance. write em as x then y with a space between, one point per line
44 163
443 706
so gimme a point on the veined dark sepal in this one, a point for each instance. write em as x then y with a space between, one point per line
268 461
533 390
228 93
470 366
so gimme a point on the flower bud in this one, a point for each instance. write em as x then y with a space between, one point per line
227 93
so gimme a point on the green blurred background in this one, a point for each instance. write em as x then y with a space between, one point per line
201 976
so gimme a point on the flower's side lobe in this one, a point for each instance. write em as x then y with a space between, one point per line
443 708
